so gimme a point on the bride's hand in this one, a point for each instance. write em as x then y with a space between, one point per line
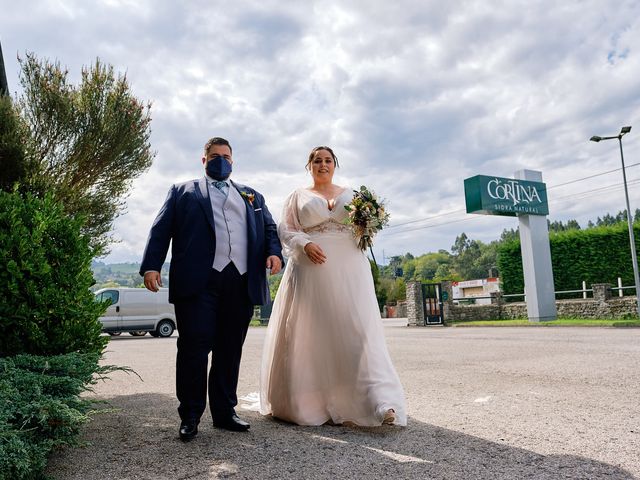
315 253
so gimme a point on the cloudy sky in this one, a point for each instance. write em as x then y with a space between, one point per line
414 97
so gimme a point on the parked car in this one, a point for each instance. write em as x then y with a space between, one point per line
137 311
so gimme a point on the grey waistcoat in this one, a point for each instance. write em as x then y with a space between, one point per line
230 220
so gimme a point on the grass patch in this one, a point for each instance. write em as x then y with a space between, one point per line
563 322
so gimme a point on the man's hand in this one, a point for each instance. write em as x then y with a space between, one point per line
152 281
274 264
315 253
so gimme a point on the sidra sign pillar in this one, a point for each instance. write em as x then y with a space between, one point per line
536 260
524 197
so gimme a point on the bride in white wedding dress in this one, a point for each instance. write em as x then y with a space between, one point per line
325 358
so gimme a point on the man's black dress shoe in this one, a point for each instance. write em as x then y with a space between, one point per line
232 423
188 430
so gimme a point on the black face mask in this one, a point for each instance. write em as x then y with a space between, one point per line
219 168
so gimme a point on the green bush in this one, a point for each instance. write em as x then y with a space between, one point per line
596 255
46 307
510 267
40 408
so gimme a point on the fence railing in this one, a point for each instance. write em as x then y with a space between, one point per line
584 291
620 289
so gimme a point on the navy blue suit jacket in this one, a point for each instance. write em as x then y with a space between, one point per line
186 219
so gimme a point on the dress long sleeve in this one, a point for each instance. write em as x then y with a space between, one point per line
290 231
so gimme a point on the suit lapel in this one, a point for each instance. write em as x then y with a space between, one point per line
202 192
251 215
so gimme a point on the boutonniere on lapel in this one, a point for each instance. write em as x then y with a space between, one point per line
249 197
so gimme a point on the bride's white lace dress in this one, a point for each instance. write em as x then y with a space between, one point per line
325 357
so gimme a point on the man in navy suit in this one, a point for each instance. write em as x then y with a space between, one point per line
222 238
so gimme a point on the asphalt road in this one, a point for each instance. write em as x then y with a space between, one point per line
483 403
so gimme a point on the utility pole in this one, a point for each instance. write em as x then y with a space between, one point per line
4 87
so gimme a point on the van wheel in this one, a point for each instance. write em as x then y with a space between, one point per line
114 334
139 333
154 334
165 328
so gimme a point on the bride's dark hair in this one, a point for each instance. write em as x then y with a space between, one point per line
313 154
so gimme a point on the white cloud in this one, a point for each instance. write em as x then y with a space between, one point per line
414 97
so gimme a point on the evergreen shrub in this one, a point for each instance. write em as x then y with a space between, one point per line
46 307
595 255
40 408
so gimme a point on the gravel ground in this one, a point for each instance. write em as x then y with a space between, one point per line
483 403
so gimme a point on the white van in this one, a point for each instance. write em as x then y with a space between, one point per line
137 311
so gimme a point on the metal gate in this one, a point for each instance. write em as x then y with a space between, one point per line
432 303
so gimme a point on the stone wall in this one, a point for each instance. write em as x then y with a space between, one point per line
602 305
395 311
401 309
463 313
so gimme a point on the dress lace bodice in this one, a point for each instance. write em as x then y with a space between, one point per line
330 225
306 212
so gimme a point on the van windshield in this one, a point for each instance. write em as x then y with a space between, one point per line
112 296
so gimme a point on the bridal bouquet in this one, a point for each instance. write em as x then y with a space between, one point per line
367 216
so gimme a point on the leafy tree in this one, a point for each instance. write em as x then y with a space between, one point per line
573 225
487 262
84 144
391 289
399 291
609 220
444 272
558 226
466 252
408 268
509 234
461 245
555 226
427 265
473 258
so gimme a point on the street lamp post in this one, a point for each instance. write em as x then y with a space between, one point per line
632 241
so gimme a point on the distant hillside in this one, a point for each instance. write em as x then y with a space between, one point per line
121 274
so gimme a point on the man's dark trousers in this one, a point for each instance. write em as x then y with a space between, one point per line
214 321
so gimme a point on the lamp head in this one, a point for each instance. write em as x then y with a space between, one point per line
625 130
595 138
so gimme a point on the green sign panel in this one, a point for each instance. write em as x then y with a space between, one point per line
505 196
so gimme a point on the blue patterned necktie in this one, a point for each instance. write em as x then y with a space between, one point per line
221 185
